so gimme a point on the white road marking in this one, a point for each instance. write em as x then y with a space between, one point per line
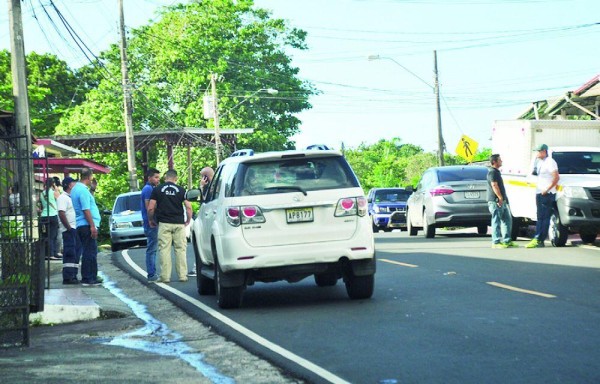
399 263
510 287
243 330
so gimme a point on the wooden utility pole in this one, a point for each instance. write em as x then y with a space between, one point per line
436 88
22 124
128 106
213 83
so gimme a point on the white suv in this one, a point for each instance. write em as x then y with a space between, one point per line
283 216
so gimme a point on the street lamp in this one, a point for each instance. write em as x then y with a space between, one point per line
436 90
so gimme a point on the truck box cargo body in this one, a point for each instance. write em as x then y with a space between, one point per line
575 146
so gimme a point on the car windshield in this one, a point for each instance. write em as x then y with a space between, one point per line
128 203
293 175
580 163
460 174
391 195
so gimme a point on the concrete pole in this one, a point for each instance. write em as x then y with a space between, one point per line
441 144
128 106
24 173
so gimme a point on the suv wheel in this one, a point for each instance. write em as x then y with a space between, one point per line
412 231
206 285
588 237
359 287
327 279
557 233
428 229
114 247
482 229
227 297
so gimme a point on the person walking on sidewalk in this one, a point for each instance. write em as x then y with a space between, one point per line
546 170
498 206
166 208
70 238
206 176
87 219
49 217
151 232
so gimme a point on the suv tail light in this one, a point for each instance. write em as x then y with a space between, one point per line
351 206
246 214
441 191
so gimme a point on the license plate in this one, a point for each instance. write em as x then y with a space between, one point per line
472 195
299 215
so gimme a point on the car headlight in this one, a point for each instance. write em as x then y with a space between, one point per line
575 192
122 225
379 209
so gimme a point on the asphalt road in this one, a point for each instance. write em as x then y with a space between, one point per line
449 309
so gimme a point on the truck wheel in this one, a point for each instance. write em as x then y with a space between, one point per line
359 287
482 229
428 229
557 232
412 231
325 279
227 297
515 228
588 237
205 285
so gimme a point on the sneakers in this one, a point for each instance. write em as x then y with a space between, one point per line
192 273
534 243
499 246
71 282
161 280
91 284
153 279
183 279
511 244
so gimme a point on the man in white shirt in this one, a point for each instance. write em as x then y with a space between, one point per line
71 243
545 197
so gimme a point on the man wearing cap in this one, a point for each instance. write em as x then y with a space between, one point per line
546 170
67 224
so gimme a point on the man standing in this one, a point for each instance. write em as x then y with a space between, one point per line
49 217
206 176
87 218
151 232
546 170
67 224
166 209
498 206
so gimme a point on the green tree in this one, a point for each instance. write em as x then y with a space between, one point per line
52 87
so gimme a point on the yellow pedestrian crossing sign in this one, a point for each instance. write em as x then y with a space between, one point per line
466 148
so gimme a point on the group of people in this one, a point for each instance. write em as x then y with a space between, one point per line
546 170
74 215
165 214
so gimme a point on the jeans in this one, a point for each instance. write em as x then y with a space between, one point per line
151 247
545 206
71 254
501 222
172 234
51 232
89 253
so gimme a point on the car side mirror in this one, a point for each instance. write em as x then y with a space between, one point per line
193 195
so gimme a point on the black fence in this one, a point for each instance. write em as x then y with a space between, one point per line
22 268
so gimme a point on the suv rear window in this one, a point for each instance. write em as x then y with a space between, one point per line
288 175
128 203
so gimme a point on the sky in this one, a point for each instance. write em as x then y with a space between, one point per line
494 58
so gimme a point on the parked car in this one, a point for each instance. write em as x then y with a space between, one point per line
387 208
126 226
452 196
283 216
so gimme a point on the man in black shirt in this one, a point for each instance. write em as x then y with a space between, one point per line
498 205
166 208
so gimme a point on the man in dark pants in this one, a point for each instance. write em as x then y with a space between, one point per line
546 170
70 238
87 217
151 232
498 206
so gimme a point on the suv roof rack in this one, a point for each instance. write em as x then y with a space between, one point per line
321 147
243 152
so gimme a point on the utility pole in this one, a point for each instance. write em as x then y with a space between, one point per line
213 83
22 124
128 106
436 88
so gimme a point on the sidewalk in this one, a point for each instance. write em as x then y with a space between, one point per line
171 346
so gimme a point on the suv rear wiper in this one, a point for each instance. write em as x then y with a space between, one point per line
291 187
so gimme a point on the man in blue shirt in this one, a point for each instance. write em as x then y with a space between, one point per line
151 232
87 220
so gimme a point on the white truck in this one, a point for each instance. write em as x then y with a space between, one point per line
575 146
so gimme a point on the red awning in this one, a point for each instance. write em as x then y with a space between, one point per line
66 165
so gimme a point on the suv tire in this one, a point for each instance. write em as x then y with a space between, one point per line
412 231
227 297
482 229
428 229
327 279
205 285
557 233
359 287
